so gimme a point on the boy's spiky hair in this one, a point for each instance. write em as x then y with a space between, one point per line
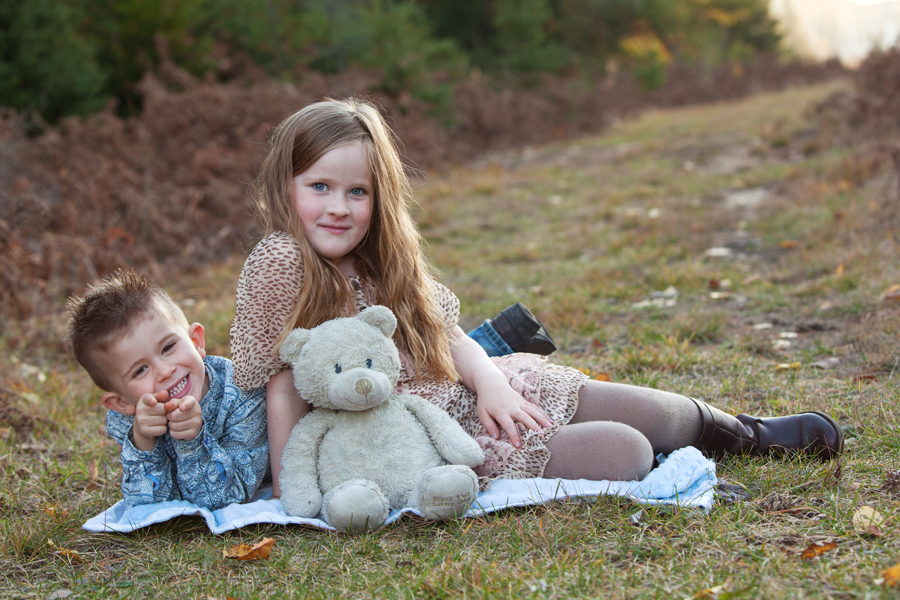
109 310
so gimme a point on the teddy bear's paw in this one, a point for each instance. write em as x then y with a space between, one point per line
446 492
356 506
300 502
465 452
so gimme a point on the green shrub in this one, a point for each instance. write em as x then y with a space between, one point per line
46 66
395 38
523 44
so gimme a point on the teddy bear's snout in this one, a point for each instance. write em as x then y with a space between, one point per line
359 389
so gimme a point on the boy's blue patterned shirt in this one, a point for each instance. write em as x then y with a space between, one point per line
225 463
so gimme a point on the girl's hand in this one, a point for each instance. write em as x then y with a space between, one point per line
500 406
149 421
186 418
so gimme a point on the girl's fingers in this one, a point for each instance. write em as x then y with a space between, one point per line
539 415
509 426
528 422
489 425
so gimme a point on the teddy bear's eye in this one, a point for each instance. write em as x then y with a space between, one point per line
368 363
337 368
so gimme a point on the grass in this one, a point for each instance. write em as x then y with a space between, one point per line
583 233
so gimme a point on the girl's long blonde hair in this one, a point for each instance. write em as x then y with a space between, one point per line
390 254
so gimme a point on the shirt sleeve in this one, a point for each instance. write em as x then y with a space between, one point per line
447 303
147 477
266 295
215 472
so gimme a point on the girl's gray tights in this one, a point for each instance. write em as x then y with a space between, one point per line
617 429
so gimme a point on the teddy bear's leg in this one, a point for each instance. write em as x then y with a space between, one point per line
445 492
356 506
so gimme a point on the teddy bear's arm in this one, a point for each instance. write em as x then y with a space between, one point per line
449 438
299 478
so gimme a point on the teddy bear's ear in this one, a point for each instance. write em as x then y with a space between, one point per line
380 317
292 344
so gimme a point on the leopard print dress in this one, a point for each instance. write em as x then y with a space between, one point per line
266 290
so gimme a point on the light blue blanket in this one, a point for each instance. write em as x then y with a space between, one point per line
683 479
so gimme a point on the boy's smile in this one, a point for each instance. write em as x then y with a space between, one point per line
334 200
156 355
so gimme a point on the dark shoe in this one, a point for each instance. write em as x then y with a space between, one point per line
522 331
811 433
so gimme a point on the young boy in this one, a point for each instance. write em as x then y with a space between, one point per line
186 431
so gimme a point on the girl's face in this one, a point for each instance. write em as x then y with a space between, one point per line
333 198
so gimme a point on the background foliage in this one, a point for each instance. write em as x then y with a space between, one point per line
69 57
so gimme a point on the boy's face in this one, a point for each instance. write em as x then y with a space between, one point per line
155 355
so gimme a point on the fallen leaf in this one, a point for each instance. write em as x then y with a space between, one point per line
865 377
827 363
891 483
602 377
816 550
70 554
867 520
786 244
708 593
248 552
840 270
892 293
787 366
872 530
55 510
717 252
890 576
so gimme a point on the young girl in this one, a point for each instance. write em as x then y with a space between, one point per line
334 195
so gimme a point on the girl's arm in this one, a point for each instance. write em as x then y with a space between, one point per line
499 406
285 407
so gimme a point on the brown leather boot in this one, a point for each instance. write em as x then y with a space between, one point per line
810 432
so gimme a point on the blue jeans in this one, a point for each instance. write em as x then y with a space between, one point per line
488 338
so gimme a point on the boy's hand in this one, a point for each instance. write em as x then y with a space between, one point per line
149 421
185 419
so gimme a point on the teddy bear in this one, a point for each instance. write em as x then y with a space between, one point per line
365 449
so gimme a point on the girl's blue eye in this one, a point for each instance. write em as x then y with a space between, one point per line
358 192
337 368
319 187
368 363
